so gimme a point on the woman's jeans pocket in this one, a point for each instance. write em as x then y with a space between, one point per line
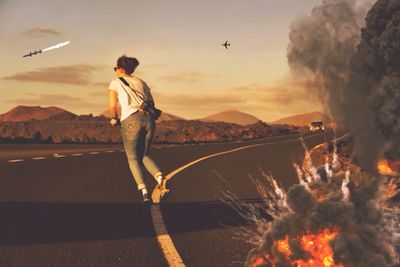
131 128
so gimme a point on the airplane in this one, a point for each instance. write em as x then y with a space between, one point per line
30 54
226 44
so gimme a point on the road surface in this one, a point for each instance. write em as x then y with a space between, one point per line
77 205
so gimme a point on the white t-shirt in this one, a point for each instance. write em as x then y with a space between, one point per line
129 101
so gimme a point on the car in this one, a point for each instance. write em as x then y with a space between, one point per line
317 126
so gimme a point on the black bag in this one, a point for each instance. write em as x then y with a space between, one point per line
150 108
147 106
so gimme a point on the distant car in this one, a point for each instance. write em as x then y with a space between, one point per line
317 126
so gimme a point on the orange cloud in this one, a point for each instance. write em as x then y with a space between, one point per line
73 74
39 32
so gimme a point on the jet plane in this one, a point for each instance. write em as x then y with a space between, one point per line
30 54
226 44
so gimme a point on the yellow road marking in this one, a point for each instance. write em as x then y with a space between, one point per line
164 239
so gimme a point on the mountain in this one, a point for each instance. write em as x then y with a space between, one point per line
303 119
164 116
26 113
168 117
232 116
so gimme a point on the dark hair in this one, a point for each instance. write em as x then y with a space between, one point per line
129 64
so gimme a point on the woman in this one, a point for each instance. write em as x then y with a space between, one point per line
137 126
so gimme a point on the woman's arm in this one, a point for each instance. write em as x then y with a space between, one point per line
113 103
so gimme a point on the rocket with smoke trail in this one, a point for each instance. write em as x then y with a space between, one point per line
30 54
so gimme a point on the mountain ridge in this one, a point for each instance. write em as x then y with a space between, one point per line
26 113
232 116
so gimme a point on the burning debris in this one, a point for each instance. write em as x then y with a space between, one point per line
333 221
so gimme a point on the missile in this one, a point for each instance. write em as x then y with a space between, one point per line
30 54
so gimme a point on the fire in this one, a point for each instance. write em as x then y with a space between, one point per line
283 247
321 254
316 246
386 167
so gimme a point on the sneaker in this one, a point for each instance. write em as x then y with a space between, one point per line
164 188
147 199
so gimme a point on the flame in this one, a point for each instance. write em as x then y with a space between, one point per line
258 261
283 246
321 254
316 246
386 167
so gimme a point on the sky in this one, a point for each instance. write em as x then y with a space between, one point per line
178 45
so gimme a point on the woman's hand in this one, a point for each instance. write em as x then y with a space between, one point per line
115 121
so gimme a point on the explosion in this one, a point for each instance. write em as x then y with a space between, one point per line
345 227
344 212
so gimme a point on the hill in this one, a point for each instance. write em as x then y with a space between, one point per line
303 119
26 113
232 116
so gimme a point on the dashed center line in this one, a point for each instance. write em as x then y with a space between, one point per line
15 160
39 158
56 155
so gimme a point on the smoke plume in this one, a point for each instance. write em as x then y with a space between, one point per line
356 62
375 80
354 56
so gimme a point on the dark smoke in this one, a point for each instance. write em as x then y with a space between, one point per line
354 56
325 47
375 78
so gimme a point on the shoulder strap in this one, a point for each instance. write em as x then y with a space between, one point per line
137 93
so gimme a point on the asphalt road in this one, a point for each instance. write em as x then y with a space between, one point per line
64 205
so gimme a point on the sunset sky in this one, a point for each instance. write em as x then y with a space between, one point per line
177 42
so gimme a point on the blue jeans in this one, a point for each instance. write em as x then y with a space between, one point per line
137 132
